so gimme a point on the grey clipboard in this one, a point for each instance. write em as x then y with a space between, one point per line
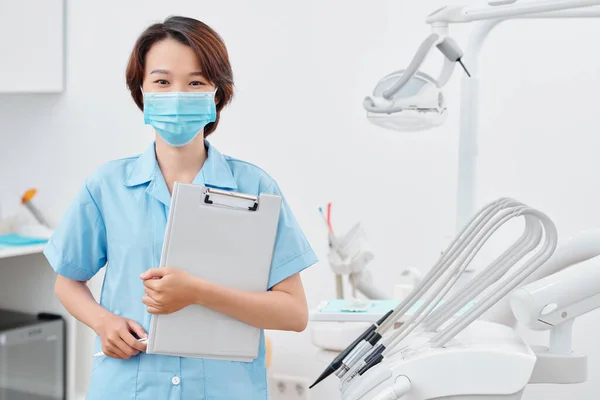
226 238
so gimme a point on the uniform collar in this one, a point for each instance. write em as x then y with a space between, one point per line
214 173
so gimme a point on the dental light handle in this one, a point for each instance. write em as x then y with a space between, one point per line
412 69
447 46
453 53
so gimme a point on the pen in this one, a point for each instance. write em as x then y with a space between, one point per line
101 354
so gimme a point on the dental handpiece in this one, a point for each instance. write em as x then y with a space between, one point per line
337 362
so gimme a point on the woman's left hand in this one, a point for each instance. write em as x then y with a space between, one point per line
168 290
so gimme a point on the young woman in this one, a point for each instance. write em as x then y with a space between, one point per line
179 75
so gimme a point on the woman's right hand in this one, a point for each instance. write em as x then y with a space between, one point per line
117 338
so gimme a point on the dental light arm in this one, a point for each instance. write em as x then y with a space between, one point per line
462 14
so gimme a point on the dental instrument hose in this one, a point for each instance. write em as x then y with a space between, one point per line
348 359
472 233
535 262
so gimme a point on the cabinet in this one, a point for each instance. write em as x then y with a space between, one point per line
32 42
27 285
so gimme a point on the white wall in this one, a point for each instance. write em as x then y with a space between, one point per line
302 69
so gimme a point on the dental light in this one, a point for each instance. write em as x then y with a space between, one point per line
410 100
393 107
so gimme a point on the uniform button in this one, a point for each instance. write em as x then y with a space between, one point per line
175 380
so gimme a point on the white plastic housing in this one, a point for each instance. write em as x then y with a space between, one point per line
336 336
560 297
581 247
486 359
417 106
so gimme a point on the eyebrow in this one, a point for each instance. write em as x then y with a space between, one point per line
166 72
160 71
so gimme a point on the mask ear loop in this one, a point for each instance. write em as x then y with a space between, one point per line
214 94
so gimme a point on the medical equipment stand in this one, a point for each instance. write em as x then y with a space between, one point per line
469 113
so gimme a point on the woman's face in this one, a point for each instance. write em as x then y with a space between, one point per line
173 67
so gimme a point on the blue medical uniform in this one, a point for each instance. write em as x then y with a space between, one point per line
118 220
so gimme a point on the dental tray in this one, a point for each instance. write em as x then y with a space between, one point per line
337 310
13 239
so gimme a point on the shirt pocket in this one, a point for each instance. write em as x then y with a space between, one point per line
228 380
97 362
112 379
135 240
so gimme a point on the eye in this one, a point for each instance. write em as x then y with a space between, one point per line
197 83
161 82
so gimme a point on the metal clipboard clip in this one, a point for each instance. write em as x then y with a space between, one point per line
230 199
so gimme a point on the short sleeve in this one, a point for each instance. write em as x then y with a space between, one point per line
292 252
77 249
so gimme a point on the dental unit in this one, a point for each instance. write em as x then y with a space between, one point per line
434 353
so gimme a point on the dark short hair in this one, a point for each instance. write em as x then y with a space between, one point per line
203 40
